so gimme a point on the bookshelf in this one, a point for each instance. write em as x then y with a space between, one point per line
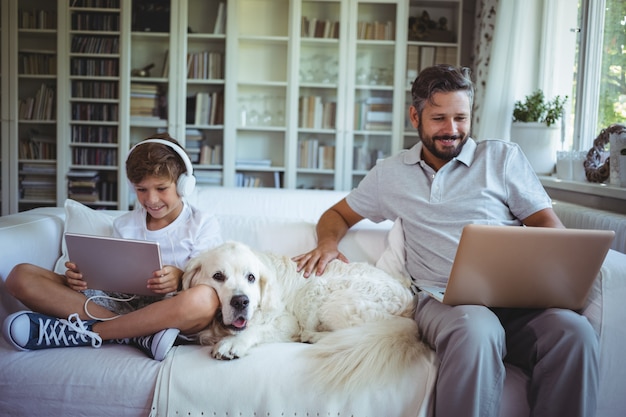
33 51
4 108
320 90
434 37
183 43
95 67
377 69
203 55
257 126
271 93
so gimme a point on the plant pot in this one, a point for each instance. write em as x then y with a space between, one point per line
539 143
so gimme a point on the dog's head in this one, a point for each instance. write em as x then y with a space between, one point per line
238 276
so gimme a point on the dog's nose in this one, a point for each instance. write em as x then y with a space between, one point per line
239 302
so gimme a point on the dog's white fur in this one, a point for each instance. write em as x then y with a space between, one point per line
359 317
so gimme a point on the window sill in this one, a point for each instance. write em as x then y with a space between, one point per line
596 195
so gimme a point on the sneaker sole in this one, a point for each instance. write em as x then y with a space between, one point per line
167 338
6 330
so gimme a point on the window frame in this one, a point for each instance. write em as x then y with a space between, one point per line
591 39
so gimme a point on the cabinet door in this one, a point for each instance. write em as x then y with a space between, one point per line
375 87
320 88
153 29
434 37
261 60
34 65
202 60
4 108
94 62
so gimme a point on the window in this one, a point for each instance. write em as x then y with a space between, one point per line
599 90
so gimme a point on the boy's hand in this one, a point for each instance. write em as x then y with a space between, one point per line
73 277
165 280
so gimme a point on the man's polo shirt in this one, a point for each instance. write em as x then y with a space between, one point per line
489 182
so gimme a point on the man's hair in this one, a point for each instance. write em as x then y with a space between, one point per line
154 159
440 79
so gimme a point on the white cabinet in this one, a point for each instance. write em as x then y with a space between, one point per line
30 159
185 42
434 37
4 108
259 123
318 86
322 85
95 68
272 93
375 85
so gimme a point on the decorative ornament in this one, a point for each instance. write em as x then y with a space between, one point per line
597 169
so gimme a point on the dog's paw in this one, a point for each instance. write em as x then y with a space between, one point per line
229 348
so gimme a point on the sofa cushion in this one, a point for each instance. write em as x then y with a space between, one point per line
393 258
82 219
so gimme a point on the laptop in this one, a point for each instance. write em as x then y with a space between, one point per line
114 264
524 267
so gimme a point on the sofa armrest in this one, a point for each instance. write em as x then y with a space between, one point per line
28 237
612 333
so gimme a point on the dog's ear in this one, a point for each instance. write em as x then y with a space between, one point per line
192 273
267 282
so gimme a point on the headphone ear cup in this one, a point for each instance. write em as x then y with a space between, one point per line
186 184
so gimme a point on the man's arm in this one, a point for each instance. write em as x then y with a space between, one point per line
543 218
331 228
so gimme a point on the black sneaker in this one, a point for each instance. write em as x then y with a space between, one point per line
27 330
156 345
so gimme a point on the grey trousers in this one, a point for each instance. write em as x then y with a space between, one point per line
558 350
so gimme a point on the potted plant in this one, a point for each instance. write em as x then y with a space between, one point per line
536 130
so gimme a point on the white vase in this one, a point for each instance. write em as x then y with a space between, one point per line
539 143
617 146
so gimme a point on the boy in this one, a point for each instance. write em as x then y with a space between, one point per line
161 174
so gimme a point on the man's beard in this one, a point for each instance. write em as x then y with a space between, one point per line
446 154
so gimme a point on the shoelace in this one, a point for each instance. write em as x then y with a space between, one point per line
54 332
143 342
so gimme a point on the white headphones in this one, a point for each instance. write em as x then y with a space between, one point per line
186 181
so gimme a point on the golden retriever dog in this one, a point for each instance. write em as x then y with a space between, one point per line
358 318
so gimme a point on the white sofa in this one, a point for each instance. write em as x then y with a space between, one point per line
121 381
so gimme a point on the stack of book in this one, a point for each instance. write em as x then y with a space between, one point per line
144 101
204 109
206 65
193 144
374 113
211 154
253 163
38 107
364 158
38 181
318 28
83 185
312 154
38 146
376 30
206 177
315 112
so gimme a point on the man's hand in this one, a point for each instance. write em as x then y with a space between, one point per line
331 228
317 259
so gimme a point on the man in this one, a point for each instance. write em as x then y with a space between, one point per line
441 184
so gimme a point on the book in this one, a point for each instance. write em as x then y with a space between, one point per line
220 20
202 109
427 57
